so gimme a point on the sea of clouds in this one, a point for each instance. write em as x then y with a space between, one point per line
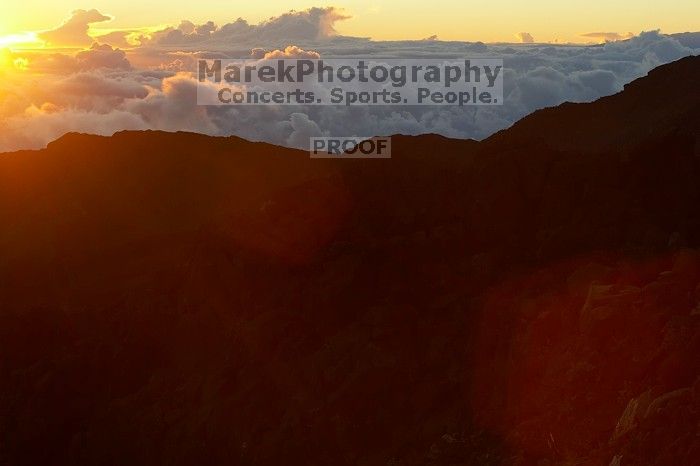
134 80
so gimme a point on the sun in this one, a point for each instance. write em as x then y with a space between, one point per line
10 62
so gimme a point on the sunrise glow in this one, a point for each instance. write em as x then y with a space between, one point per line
386 20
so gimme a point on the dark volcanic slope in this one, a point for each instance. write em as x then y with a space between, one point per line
531 299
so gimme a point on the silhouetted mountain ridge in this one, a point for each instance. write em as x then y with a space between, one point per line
661 104
174 298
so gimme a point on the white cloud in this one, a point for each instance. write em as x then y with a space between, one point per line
291 51
103 90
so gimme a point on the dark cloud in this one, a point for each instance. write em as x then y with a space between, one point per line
102 56
74 31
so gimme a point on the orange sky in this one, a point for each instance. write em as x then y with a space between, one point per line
544 20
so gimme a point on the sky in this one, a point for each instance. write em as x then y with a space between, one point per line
464 20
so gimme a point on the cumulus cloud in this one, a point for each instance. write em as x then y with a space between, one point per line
688 39
74 31
104 89
525 38
95 84
47 124
291 51
302 128
96 57
102 56
308 25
